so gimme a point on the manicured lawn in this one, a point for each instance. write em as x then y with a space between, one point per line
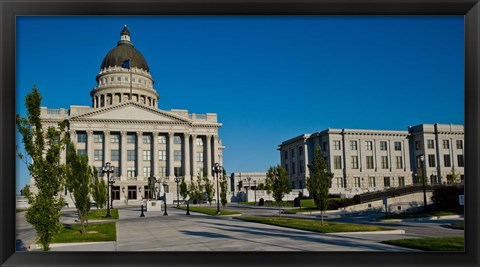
313 225
100 214
94 233
431 243
422 214
459 224
208 211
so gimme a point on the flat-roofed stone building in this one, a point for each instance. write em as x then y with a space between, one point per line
125 127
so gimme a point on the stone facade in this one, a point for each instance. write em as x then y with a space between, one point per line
125 127
371 160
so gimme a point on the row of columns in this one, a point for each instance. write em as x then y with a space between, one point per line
187 157
105 100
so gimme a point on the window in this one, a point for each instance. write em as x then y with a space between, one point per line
147 193
337 162
115 155
383 145
81 152
162 155
354 162
446 144
131 138
293 153
398 146
178 171
460 161
324 146
199 142
177 139
446 159
116 192
371 182
81 138
132 192
166 188
126 79
336 145
199 156
300 167
384 162
399 162
386 181
369 145
146 171
147 139
98 138
353 145
401 181
177 155
431 160
162 171
131 172
116 171
146 155
369 162
339 182
293 167
430 144
98 154
293 184
286 168
285 154
131 155
99 171
418 145
112 79
300 151
119 78
459 144
115 138
325 159
162 139
356 181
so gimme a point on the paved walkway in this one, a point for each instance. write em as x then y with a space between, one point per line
198 232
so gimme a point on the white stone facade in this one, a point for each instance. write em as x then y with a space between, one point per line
371 160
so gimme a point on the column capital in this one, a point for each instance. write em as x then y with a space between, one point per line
139 132
171 133
106 132
186 134
123 133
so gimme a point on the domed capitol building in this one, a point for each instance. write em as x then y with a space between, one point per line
125 127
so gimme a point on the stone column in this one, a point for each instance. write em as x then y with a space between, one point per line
155 154
209 156
139 156
106 147
216 158
194 155
90 147
123 155
170 155
73 137
186 156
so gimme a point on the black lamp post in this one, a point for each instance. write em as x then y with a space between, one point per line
108 168
177 180
217 169
255 188
424 176
111 181
165 197
248 179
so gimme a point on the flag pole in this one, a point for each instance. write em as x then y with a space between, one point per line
130 78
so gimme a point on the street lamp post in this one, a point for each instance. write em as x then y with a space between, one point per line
248 179
108 168
165 197
216 170
111 181
424 174
255 188
177 180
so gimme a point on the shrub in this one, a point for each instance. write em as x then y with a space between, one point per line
446 197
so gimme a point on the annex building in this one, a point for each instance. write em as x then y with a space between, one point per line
124 126
371 160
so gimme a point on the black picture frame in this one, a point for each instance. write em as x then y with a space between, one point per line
470 9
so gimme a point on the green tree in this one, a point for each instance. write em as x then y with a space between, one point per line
199 192
453 177
261 186
278 184
319 181
209 189
25 191
223 188
43 145
183 189
78 179
98 189
193 191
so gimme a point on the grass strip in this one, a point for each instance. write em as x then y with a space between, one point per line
313 225
101 215
431 243
94 233
209 211
459 224
422 214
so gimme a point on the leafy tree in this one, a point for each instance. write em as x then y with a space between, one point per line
453 177
261 186
98 189
278 184
183 189
78 179
199 191
319 181
193 191
44 145
208 186
223 188
25 191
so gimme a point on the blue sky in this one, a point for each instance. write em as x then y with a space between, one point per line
269 78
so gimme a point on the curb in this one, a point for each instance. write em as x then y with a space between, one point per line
35 247
391 232
423 219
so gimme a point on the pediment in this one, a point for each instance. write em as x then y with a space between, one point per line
131 112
